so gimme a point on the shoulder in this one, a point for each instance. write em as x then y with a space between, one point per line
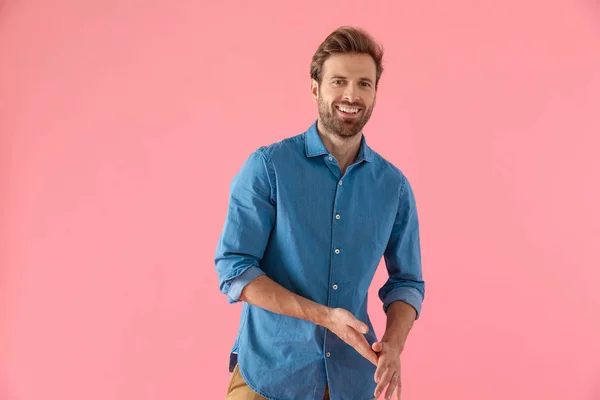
282 148
391 172
267 157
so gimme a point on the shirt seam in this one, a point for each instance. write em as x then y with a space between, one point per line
270 174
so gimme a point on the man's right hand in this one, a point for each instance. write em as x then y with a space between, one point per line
351 330
265 293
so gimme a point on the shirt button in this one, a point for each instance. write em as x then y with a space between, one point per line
337 216
340 183
330 158
328 354
335 287
337 251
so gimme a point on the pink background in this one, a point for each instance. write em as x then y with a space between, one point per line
123 122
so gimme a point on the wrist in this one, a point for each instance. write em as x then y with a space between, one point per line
320 315
324 316
396 339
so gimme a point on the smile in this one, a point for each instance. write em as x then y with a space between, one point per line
348 110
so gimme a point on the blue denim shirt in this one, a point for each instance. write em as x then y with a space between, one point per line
294 217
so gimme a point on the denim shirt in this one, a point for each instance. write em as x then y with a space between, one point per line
293 217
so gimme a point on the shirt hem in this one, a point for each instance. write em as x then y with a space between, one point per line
251 386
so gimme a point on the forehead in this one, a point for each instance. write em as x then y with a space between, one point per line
350 65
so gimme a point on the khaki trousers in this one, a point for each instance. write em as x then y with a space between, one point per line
239 390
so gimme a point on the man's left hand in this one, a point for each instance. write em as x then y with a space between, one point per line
388 368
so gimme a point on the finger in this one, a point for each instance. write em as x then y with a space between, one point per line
359 326
394 382
365 350
381 365
384 381
399 383
361 345
377 347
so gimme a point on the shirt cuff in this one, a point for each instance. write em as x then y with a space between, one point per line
238 284
406 294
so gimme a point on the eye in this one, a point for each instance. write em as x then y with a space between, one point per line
365 84
338 82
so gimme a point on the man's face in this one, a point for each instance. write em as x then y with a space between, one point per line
346 95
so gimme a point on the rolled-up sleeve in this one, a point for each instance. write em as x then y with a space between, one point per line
403 256
248 224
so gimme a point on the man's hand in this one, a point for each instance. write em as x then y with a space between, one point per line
351 330
388 368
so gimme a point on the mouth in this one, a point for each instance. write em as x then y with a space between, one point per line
347 111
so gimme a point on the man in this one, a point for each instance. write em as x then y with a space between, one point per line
309 220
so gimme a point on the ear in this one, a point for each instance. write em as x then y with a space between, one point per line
314 89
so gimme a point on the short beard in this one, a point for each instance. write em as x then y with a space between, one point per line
338 127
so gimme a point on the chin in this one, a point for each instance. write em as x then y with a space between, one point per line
347 133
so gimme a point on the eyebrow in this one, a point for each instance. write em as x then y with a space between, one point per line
343 77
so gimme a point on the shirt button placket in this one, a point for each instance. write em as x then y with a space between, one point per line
337 251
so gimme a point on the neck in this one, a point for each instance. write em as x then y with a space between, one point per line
344 149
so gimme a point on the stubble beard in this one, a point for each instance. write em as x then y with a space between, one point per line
343 128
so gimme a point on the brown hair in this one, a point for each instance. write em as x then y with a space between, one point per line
346 39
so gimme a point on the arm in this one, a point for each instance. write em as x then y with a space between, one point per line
400 318
403 293
241 247
248 225
265 293
403 262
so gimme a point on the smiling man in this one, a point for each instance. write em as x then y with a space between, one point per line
309 220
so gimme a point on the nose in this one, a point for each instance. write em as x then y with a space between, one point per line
350 93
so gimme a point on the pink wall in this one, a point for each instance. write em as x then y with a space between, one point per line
122 123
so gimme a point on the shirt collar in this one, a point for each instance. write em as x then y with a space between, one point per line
315 147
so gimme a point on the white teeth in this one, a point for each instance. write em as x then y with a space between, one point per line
349 110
